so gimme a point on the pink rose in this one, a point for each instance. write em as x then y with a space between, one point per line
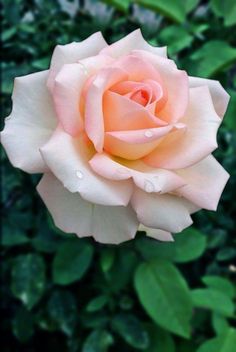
122 136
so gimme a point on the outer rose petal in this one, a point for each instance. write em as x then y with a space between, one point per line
74 215
30 123
157 234
132 41
68 158
166 212
148 179
73 52
181 151
219 96
205 182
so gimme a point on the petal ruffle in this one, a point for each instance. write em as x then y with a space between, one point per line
132 41
165 211
73 214
205 182
148 179
179 150
73 52
219 95
160 235
68 158
30 124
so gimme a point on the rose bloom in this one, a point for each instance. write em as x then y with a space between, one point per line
124 139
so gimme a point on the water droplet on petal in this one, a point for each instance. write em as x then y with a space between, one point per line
79 174
149 186
148 134
84 69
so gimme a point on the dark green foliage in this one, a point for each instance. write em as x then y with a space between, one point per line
64 294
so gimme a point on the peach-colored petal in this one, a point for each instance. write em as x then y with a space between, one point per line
68 157
205 182
178 150
146 178
160 235
94 124
219 95
166 212
138 69
136 144
30 123
73 214
71 53
132 41
121 113
175 83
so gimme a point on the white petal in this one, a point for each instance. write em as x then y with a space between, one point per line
30 123
133 41
160 235
73 52
219 95
205 182
166 212
73 214
68 158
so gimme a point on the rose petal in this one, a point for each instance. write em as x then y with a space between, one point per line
205 182
148 179
157 234
179 151
121 113
166 212
219 95
68 158
73 214
136 144
30 123
71 53
132 41
175 83
94 123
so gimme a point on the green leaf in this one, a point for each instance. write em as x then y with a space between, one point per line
220 284
212 299
120 5
225 9
97 303
225 342
187 246
28 278
176 38
226 253
23 325
98 341
131 330
190 5
62 310
160 340
165 296
173 9
212 57
230 120
13 236
219 323
71 261
107 259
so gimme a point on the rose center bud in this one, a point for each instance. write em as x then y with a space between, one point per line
141 96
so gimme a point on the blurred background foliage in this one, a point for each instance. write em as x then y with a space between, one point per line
64 294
